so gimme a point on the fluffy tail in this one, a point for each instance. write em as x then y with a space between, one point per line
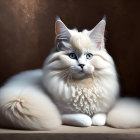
125 114
28 110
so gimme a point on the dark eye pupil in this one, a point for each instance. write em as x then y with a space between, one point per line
72 55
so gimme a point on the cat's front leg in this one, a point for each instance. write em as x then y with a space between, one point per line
77 119
99 119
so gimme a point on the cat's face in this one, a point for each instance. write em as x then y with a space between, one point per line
79 55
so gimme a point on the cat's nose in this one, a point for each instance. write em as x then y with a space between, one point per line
82 65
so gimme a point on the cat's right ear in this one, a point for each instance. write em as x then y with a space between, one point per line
61 31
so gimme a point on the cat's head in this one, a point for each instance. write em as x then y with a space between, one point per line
79 55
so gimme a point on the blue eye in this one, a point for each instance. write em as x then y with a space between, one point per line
72 55
89 56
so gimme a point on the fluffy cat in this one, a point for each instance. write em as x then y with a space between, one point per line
78 86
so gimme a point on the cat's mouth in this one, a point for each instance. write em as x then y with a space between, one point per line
81 73
82 70
85 70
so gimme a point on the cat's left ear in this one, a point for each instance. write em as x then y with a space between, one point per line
97 33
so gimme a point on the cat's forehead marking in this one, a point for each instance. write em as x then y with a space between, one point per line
81 42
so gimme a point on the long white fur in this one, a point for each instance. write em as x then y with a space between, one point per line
25 105
125 114
100 96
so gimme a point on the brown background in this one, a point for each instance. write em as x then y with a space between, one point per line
27 33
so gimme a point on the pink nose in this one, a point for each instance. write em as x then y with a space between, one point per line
81 65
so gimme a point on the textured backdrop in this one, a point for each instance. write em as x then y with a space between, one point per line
27 33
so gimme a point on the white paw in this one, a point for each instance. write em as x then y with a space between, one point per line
77 120
99 119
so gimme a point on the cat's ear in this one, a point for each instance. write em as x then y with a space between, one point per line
97 33
61 31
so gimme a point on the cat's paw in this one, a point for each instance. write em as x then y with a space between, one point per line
77 120
99 119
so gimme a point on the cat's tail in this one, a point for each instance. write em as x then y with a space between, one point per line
125 114
28 109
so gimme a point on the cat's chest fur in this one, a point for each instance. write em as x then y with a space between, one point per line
72 98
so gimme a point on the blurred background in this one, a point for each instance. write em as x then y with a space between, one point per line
27 34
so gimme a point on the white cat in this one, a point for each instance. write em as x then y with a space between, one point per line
78 80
